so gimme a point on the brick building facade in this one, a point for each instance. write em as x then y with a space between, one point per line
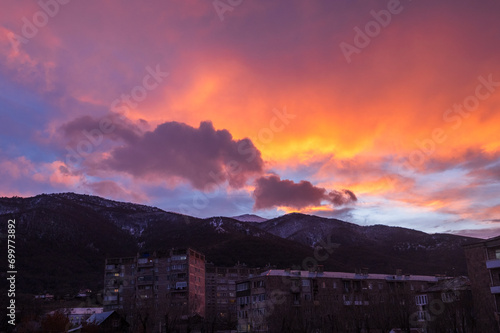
288 300
161 286
483 265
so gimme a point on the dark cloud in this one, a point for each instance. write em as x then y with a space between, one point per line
477 233
106 188
339 198
344 213
469 159
113 127
203 156
487 175
271 191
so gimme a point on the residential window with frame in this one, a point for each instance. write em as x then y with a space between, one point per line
421 300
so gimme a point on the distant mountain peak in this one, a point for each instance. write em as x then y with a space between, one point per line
249 218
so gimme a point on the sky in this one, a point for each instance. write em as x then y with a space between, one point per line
373 112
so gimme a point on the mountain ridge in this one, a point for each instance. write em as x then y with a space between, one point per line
64 238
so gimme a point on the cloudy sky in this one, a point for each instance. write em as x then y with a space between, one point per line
375 112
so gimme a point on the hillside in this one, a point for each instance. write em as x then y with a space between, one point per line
63 239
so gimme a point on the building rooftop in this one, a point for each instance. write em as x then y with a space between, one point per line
456 283
79 311
350 276
98 318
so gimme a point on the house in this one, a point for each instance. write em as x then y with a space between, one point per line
109 321
79 315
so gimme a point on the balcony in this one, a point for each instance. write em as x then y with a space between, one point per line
144 282
495 263
112 268
144 263
495 290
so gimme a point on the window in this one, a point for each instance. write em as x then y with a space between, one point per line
258 284
180 285
306 283
423 315
421 300
242 286
497 253
179 257
244 300
448 297
145 278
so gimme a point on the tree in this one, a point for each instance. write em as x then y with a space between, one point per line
55 323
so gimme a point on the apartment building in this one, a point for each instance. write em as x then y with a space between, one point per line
220 292
483 265
287 300
446 305
119 282
160 281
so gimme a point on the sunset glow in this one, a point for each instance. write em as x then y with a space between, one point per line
259 109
